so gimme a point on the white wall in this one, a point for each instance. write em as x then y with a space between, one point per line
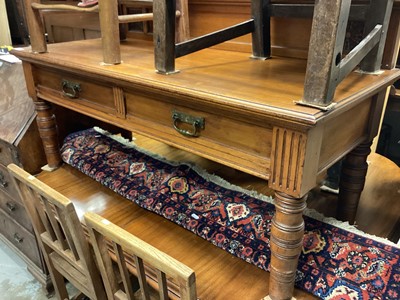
5 37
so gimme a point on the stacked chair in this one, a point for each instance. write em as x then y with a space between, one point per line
171 36
112 14
110 19
328 34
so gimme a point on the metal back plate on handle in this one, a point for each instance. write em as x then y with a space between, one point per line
70 89
196 123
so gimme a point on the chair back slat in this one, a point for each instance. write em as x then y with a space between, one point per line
37 209
68 235
55 225
123 271
60 236
141 274
105 265
162 285
145 257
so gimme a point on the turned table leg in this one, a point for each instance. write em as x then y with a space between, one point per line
352 180
48 133
286 244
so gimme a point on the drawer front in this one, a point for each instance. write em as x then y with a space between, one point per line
6 184
74 90
239 143
15 210
8 153
20 238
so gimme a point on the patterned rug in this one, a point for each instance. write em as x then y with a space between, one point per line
334 264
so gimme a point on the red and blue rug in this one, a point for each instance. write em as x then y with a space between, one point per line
334 264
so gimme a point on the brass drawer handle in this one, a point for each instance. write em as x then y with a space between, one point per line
11 206
197 123
17 238
70 89
3 183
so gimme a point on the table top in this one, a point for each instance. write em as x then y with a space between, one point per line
220 78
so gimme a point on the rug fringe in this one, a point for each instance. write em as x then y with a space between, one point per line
116 137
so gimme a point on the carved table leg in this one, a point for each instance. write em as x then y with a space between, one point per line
48 132
286 243
354 170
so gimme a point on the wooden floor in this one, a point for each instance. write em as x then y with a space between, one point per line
379 207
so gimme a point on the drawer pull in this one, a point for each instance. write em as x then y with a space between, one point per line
3 183
11 206
70 89
197 123
17 238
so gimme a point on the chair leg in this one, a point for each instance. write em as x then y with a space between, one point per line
261 36
57 279
182 26
36 28
379 13
164 35
110 36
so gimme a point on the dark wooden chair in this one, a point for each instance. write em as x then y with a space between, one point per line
326 43
59 232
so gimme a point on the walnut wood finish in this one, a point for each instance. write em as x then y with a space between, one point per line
352 179
286 244
254 127
48 132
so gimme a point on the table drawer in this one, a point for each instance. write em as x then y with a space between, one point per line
15 210
6 184
7 153
235 141
75 90
20 238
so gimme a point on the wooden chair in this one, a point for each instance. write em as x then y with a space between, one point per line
35 20
102 232
326 43
37 28
112 14
65 248
110 19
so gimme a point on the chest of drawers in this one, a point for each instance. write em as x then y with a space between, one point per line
19 144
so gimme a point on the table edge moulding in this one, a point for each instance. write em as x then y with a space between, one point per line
283 119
